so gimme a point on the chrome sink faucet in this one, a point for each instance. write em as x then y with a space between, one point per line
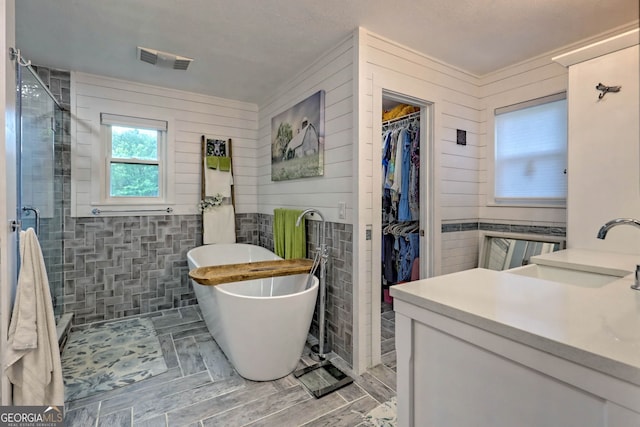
602 233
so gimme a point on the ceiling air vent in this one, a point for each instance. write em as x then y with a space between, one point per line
163 59
181 63
147 56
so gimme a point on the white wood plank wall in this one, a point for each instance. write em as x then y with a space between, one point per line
333 73
525 81
457 106
530 79
191 115
454 94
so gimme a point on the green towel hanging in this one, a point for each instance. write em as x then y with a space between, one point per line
278 232
296 240
289 241
224 164
213 162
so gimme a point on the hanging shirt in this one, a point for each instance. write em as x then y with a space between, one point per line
404 214
386 154
398 162
414 179
391 166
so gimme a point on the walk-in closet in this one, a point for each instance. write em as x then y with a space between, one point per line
400 208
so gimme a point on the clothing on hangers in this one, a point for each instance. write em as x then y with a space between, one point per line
400 198
400 169
401 245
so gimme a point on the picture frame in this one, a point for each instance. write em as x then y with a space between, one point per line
297 140
216 147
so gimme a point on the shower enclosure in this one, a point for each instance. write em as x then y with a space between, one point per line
39 119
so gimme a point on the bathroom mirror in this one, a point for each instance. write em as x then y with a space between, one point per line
502 251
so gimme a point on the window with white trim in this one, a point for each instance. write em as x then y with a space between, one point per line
134 170
530 156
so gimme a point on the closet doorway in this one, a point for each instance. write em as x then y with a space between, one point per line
402 204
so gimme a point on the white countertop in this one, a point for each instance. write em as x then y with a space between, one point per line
595 327
593 261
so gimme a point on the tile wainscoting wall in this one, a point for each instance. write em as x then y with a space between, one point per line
247 230
460 241
123 266
339 280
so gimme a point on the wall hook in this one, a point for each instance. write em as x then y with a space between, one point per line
606 89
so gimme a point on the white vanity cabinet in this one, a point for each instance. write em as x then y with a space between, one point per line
452 374
482 348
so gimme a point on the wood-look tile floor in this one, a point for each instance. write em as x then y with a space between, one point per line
388 335
201 388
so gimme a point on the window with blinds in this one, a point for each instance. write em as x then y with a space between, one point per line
531 152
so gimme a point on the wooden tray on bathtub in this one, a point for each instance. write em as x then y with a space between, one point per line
216 275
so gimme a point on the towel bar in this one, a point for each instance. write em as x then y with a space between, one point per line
97 211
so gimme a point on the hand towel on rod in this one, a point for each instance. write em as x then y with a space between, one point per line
222 163
213 162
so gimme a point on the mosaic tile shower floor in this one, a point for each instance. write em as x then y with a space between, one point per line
110 355
200 388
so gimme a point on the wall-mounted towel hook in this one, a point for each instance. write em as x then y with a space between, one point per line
606 89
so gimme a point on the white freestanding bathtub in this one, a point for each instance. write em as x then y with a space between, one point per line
261 325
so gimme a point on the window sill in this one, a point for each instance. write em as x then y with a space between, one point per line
540 203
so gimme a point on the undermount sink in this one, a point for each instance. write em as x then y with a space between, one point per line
567 276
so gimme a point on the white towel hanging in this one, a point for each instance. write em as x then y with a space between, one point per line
32 361
216 181
219 225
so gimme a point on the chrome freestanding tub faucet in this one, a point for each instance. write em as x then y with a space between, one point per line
602 233
323 254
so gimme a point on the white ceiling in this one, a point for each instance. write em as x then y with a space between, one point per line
242 49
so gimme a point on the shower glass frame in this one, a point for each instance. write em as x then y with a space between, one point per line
39 203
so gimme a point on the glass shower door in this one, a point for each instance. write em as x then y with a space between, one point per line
40 174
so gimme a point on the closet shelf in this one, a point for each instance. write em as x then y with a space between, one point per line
219 274
414 115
